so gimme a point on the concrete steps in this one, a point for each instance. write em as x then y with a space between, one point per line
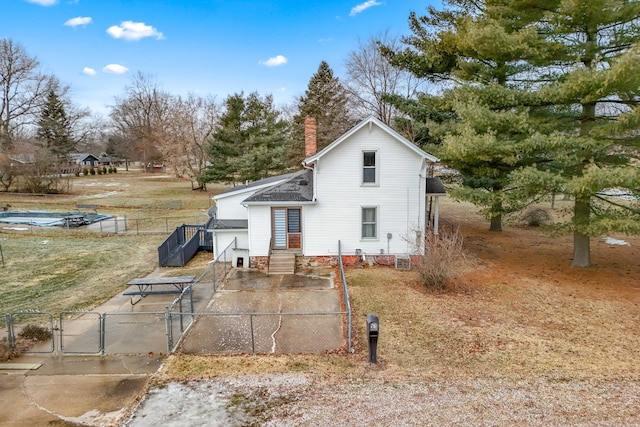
282 263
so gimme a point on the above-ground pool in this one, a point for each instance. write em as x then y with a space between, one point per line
50 219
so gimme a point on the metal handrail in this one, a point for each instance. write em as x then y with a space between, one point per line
347 299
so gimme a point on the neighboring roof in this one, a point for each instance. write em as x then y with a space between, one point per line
372 121
435 187
230 224
261 182
82 156
298 188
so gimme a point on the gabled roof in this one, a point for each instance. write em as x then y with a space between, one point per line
79 157
371 121
298 188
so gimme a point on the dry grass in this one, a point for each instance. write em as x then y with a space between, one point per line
532 342
54 269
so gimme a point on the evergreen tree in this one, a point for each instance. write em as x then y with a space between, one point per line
326 101
551 88
54 127
591 78
480 124
251 142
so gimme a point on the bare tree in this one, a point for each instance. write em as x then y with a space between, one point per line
141 117
22 88
371 78
192 122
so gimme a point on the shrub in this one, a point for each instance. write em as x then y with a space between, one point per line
536 217
443 263
85 171
35 333
104 170
77 172
92 171
7 353
115 170
99 171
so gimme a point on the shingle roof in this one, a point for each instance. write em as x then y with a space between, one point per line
298 188
230 224
435 186
258 183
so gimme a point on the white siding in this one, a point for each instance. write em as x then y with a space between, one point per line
398 195
259 230
230 206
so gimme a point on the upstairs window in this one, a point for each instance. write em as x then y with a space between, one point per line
369 173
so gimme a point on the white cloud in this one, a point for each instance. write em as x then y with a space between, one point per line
274 61
89 71
130 30
80 20
115 69
363 6
44 2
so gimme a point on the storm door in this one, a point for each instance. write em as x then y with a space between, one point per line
286 228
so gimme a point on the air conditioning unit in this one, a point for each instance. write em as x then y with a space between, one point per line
403 263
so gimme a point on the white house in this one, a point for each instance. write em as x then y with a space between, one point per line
366 190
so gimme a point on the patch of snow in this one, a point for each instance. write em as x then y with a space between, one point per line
184 405
619 193
612 241
16 228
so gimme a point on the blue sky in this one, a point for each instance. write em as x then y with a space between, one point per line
208 47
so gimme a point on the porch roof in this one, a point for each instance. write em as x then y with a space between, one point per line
230 224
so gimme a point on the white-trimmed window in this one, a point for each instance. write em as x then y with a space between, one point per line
369 167
369 222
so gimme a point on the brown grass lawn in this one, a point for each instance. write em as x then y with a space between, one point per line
524 313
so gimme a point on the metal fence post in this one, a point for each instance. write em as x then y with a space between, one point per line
253 341
10 337
103 332
167 320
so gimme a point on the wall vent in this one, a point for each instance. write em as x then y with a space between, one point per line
403 263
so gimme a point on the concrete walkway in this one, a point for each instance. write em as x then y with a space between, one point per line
97 391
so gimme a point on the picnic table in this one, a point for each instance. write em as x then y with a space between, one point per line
162 285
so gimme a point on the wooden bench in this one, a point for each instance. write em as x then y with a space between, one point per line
175 285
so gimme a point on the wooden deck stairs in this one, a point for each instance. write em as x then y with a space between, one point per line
282 263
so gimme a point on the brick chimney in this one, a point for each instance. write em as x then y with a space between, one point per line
310 146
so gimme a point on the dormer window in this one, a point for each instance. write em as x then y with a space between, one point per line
369 170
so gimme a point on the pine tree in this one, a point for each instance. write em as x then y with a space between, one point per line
250 144
480 123
591 78
54 128
326 101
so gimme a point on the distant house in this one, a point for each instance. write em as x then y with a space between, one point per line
367 192
84 159
106 160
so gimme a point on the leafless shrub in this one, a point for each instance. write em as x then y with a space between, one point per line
6 353
35 333
536 217
443 263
